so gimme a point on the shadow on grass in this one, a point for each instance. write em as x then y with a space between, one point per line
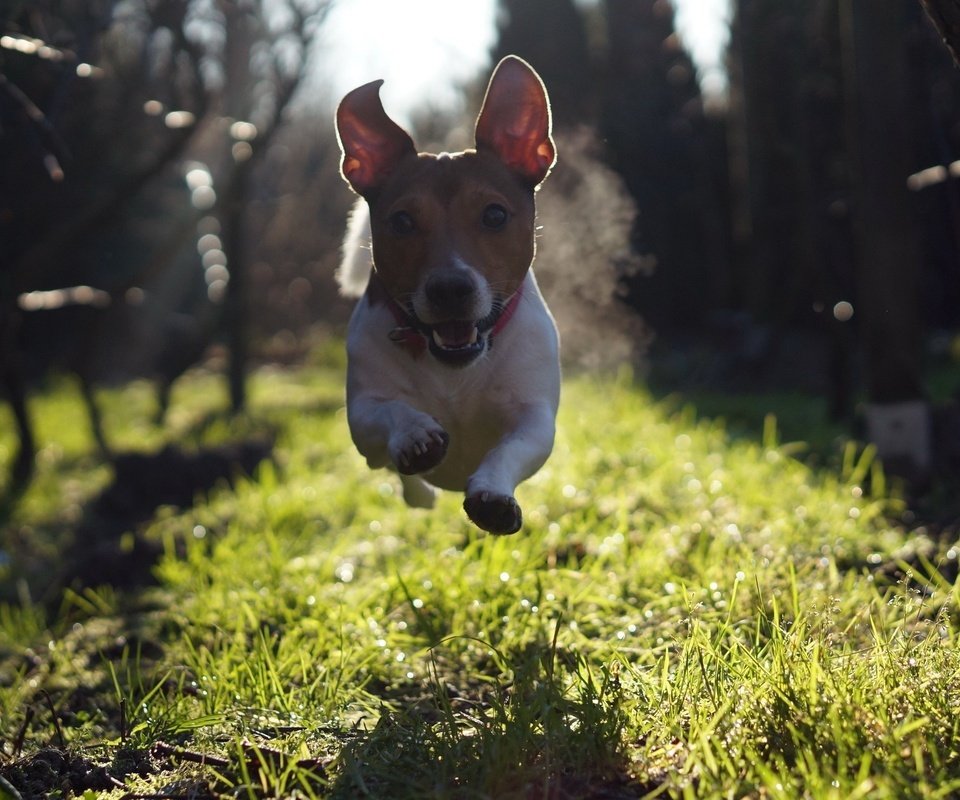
101 552
106 545
542 725
102 543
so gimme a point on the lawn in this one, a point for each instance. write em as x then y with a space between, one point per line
686 613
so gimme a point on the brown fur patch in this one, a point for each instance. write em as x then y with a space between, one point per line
445 197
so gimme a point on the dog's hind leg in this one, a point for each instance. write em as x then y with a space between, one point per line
417 493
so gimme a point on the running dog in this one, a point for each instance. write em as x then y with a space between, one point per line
453 375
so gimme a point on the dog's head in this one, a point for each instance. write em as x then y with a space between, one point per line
453 235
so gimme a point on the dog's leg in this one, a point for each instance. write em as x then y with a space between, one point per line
417 493
393 433
489 495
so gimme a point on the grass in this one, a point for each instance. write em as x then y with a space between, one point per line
685 614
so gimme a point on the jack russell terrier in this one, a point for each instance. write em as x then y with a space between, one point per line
453 375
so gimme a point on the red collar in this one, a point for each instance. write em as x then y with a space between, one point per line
409 334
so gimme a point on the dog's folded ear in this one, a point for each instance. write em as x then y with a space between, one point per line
515 122
372 143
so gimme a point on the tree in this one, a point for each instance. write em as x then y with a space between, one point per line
888 258
552 36
653 123
96 131
830 127
81 142
264 59
772 68
620 68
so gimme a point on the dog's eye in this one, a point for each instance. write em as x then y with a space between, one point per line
495 216
401 223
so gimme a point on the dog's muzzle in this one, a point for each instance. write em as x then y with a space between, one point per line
456 343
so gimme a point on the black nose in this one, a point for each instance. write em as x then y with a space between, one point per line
450 290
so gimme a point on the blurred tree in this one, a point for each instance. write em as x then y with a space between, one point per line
96 101
830 108
789 172
297 218
935 135
101 104
620 68
888 257
772 69
263 59
552 36
653 121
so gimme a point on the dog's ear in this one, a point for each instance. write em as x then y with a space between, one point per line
372 143
514 122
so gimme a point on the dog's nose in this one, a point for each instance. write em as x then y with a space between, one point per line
449 289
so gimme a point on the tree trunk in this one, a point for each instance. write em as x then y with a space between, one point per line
13 388
237 312
888 259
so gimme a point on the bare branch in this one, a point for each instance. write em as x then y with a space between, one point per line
945 15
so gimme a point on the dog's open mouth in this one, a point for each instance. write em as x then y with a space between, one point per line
454 335
453 342
456 342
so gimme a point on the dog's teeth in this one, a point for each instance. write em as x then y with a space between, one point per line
441 341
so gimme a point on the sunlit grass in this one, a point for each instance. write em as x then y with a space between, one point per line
684 614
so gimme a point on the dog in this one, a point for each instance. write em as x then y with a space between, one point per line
453 374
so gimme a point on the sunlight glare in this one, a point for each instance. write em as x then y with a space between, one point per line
426 50
930 176
241 151
47 300
209 241
843 311
244 131
422 49
198 176
704 27
179 119
52 165
203 198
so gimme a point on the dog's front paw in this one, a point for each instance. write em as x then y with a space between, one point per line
419 448
495 513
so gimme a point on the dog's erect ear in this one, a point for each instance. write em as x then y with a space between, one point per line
372 143
514 122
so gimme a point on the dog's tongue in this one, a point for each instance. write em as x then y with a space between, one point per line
455 334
